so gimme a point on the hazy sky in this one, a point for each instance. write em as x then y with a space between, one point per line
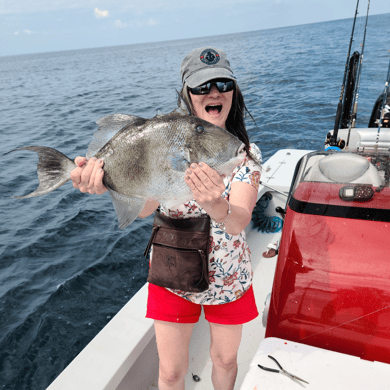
30 26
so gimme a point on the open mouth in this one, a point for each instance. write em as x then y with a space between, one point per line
214 109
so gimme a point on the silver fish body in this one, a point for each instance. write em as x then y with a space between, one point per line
145 159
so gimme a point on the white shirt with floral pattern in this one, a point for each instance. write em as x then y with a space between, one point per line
230 270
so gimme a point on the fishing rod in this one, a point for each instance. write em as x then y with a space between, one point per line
333 139
384 108
356 97
350 88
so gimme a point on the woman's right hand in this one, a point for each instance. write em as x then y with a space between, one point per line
88 176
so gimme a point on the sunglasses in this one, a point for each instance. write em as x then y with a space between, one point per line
222 86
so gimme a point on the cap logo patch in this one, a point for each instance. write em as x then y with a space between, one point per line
209 57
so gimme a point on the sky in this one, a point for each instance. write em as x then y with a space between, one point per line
35 26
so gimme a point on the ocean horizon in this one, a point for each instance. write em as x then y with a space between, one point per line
182 39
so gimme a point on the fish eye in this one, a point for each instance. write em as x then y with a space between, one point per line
199 129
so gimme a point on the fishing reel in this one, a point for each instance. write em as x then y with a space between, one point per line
340 143
386 120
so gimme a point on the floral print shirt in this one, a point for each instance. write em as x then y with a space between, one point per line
230 270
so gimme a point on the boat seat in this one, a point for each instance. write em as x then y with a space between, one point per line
344 168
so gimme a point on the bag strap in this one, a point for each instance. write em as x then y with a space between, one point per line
154 232
205 268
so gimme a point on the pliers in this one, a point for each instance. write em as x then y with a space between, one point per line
284 372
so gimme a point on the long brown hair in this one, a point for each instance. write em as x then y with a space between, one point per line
235 122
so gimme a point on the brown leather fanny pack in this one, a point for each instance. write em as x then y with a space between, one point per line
180 253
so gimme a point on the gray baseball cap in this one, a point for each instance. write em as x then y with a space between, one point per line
204 64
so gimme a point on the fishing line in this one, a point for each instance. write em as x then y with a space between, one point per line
350 83
344 323
356 96
333 140
384 108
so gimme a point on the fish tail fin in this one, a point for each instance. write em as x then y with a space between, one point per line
53 170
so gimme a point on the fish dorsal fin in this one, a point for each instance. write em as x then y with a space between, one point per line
182 108
108 127
159 114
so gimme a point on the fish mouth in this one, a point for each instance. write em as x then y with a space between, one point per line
214 108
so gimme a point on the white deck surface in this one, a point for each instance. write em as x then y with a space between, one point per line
323 369
279 169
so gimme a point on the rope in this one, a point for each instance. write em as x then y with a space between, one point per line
262 221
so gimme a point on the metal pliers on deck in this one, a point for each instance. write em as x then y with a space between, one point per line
284 372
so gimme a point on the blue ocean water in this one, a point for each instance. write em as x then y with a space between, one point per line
65 267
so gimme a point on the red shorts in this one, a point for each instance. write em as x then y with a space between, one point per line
163 305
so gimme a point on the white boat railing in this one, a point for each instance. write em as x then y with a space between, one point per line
114 350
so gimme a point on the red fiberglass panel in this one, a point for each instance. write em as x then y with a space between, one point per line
332 281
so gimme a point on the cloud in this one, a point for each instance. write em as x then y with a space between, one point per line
28 32
101 13
152 22
136 7
119 24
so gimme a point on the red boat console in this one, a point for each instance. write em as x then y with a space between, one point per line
332 281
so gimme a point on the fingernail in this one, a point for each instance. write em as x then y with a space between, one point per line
187 178
189 172
100 170
100 161
193 166
94 159
201 164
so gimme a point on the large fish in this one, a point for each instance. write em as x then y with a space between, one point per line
144 159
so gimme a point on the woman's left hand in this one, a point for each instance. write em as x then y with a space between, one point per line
205 183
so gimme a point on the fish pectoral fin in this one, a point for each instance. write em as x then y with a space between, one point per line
180 161
127 209
109 126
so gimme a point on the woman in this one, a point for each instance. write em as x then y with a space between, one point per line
211 93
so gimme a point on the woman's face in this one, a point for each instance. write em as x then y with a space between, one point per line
213 107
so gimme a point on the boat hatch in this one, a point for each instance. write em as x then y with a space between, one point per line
331 286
